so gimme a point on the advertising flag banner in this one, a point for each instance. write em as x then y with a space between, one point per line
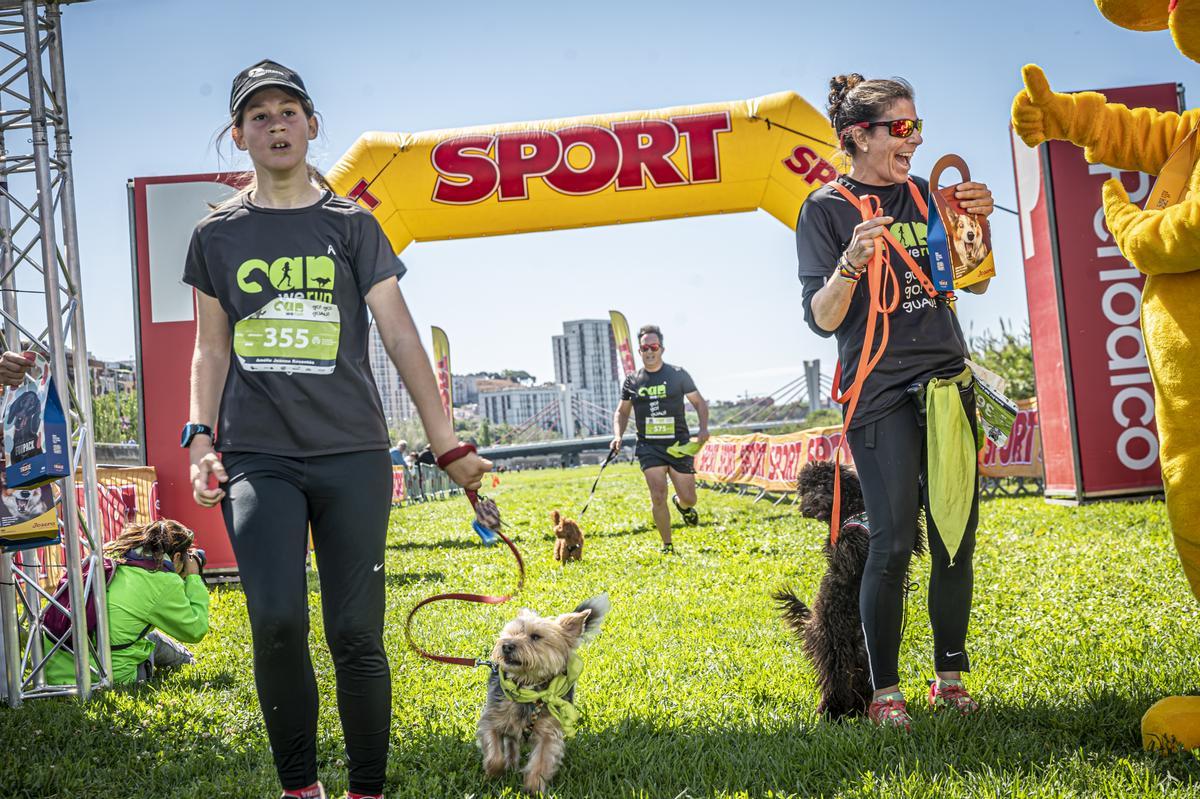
441 370
620 329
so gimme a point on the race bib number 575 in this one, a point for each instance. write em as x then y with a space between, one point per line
289 334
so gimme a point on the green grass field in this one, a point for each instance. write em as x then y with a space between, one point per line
1082 619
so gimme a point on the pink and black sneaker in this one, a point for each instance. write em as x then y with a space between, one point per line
951 695
314 791
890 711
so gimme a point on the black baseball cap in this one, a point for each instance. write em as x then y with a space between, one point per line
263 74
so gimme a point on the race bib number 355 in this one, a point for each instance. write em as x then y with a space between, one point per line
289 334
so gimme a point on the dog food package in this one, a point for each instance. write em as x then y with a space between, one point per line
27 515
960 244
35 431
997 413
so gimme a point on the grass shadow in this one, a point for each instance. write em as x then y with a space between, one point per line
401 579
445 543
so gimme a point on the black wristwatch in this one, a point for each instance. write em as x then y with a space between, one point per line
193 429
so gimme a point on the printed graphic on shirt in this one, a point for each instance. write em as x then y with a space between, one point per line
297 330
657 399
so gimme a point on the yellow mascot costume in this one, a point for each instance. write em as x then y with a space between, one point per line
1165 246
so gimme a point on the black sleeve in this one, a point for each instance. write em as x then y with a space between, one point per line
627 392
373 257
195 268
809 286
686 383
817 241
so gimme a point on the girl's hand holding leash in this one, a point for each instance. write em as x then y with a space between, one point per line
205 467
467 469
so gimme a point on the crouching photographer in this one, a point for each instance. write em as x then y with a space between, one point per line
155 594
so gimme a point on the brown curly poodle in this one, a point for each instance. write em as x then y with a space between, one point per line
568 538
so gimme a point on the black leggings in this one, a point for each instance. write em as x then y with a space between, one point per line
890 457
347 498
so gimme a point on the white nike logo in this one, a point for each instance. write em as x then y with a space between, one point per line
952 654
379 566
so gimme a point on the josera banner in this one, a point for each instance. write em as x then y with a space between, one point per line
441 370
769 152
769 462
624 344
774 462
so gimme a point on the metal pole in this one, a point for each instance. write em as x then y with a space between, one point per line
54 330
83 383
12 338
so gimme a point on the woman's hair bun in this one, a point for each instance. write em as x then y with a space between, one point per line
839 87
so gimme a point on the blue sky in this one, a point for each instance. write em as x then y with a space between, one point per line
148 86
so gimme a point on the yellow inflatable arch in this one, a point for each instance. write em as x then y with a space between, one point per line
770 152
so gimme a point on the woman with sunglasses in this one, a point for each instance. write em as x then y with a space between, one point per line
878 128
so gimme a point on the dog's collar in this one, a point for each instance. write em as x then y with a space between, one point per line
552 696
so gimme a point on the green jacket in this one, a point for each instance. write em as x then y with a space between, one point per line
137 597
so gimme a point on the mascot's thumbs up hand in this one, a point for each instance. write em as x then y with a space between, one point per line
1040 114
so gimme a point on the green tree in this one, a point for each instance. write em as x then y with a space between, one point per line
115 417
1010 355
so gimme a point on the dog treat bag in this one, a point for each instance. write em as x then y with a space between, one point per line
960 244
27 515
35 431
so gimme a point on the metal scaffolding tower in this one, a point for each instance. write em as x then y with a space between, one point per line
39 255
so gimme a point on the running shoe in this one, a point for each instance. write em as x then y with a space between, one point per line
314 791
352 795
668 549
951 695
690 517
890 711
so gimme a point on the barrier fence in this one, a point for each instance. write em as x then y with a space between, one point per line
421 483
773 463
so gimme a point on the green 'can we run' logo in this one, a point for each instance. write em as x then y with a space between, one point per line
312 274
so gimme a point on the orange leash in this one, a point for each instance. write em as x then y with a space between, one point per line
880 278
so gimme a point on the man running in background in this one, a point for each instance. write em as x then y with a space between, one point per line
655 395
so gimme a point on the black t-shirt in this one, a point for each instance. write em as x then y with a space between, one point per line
925 338
293 282
657 399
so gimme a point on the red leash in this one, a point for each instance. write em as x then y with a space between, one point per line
880 278
484 599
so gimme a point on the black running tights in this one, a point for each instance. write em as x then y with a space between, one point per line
270 504
890 457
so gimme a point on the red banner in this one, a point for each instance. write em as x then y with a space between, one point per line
769 462
1021 455
1094 390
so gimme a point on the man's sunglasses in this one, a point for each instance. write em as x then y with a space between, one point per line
650 348
898 128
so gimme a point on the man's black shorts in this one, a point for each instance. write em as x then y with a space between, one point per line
649 455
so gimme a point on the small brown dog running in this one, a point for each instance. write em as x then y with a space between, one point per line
531 691
568 538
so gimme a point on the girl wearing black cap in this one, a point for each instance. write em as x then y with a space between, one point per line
281 386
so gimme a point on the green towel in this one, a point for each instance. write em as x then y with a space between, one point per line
683 450
952 453
552 696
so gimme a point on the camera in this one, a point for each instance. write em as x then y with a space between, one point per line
200 555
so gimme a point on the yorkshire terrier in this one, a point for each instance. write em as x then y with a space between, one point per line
831 631
568 538
532 687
